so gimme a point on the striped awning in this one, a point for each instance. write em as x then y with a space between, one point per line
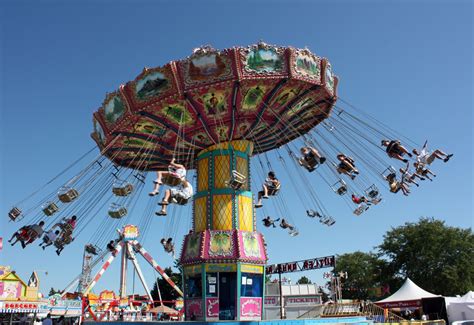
18 310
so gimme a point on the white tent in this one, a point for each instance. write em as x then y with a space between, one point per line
460 308
409 295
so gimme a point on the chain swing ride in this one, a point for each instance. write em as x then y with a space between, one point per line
208 115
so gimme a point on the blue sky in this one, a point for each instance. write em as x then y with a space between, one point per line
407 63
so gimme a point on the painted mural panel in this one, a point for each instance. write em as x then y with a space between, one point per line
151 84
251 244
221 244
99 131
329 77
253 97
207 66
114 108
308 65
177 113
193 246
214 102
264 60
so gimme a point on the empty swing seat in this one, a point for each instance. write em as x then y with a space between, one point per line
14 213
236 181
117 211
372 192
50 208
67 194
389 172
122 188
340 187
360 209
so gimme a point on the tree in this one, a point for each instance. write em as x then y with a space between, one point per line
303 280
167 292
436 257
364 272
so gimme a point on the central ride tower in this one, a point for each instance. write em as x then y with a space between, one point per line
223 257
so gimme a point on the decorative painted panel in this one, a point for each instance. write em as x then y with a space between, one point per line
193 307
250 308
203 179
212 308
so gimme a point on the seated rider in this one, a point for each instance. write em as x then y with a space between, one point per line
395 149
422 171
426 157
286 225
269 187
91 249
168 245
360 199
395 185
183 192
111 247
268 222
409 178
49 238
346 166
27 234
174 170
311 158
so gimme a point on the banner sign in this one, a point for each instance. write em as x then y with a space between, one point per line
305 265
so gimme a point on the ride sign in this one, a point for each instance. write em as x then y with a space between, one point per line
312 264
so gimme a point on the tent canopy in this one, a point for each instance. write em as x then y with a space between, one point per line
164 310
409 295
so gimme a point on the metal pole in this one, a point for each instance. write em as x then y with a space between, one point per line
123 272
281 296
139 272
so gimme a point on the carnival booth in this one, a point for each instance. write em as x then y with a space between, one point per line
408 296
18 297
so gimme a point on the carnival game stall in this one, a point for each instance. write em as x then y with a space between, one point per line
18 297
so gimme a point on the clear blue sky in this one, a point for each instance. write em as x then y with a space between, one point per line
405 62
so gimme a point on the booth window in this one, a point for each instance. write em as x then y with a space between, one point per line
194 286
251 285
211 285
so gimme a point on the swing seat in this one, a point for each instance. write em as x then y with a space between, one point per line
339 187
171 180
179 200
360 209
67 194
91 249
330 222
376 200
122 189
389 172
294 232
50 208
236 181
117 211
14 213
272 191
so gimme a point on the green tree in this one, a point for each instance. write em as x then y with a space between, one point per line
436 257
303 280
364 270
167 291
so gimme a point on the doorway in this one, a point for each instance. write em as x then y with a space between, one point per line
227 295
